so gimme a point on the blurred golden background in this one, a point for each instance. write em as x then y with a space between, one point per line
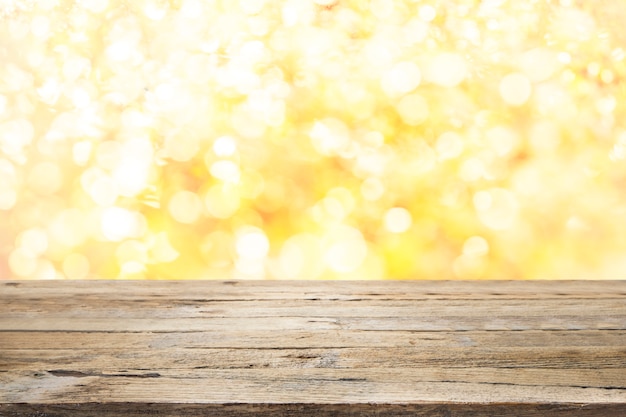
301 139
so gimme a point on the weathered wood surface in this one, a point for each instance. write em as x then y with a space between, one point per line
421 348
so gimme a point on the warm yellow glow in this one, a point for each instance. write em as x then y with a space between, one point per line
119 224
515 89
76 266
185 207
313 139
251 243
398 220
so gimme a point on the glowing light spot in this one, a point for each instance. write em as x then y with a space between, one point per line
45 270
345 249
15 135
482 200
472 169
398 220
22 262
40 27
132 250
155 10
372 189
607 76
76 266
344 197
240 78
161 250
576 224
333 208
8 198
226 171
374 162
413 109
47 5
618 54
572 24
593 69
170 97
50 91
502 140
132 171
330 136
379 53
249 269
449 145
564 57
132 269
515 89
185 207
225 146
252 244
222 201
68 228
296 11
181 146
101 188
468 267
301 257
108 154
75 67
497 208
80 97
34 240
447 70
81 152
251 184
248 123
375 139
118 224
8 183
120 51
403 78
539 64
45 178
326 2
252 6
131 177
192 9
427 13
475 246
95 6
382 9
606 105
619 149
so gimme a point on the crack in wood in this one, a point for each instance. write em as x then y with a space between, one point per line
79 374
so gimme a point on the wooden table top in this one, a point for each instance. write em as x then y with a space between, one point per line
312 348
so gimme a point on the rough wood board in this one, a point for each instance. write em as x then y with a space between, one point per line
421 348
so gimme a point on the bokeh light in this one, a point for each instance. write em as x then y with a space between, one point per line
312 139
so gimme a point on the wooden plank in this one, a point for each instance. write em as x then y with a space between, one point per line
295 339
93 409
276 324
321 386
331 290
176 309
180 358
100 348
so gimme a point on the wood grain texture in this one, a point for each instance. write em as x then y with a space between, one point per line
403 348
